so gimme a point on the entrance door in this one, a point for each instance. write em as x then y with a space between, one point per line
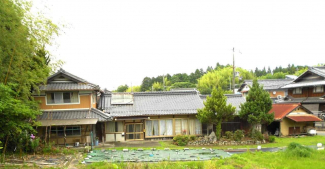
134 131
294 130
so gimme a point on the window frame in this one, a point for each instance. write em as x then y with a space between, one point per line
63 103
173 127
295 90
55 130
315 87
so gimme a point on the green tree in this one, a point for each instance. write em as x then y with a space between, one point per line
183 85
157 86
24 66
221 78
146 84
257 106
122 88
216 110
134 89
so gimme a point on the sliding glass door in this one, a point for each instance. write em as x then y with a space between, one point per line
134 131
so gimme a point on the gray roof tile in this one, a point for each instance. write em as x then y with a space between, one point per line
74 114
67 86
268 84
155 103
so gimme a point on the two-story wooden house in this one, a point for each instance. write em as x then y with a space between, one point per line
69 106
308 89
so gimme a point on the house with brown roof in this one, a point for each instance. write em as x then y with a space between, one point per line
291 119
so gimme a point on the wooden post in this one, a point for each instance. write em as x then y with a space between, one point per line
64 135
50 135
103 133
45 134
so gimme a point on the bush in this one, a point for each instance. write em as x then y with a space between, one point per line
297 150
229 134
192 137
271 139
256 135
181 140
238 135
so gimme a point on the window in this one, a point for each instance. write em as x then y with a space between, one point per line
166 127
62 97
121 98
69 131
318 89
297 91
112 126
73 131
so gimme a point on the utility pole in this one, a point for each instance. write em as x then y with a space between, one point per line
163 82
233 72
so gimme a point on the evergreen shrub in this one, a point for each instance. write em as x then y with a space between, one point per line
238 135
181 140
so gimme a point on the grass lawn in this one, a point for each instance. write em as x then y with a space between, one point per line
279 142
247 160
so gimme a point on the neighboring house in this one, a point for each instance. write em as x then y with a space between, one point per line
68 104
233 125
151 115
273 86
308 89
291 119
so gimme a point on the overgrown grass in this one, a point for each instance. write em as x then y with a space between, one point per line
246 160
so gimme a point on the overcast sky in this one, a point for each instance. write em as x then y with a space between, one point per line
111 43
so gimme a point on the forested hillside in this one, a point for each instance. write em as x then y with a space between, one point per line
206 80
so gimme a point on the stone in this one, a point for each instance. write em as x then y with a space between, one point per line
125 150
212 136
166 148
186 148
153 149
203 148
319 145
113 150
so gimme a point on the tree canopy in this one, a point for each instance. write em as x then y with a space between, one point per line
25 64
216 110
258 104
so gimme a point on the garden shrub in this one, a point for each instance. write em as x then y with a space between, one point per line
256 135
297 150
192 137
238 135
271 139
229 134
181 140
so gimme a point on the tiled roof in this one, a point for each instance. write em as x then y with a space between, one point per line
79 79
74 114
302 100
154 103
268 84
281 110
320 71
77 84
304 118
68 86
